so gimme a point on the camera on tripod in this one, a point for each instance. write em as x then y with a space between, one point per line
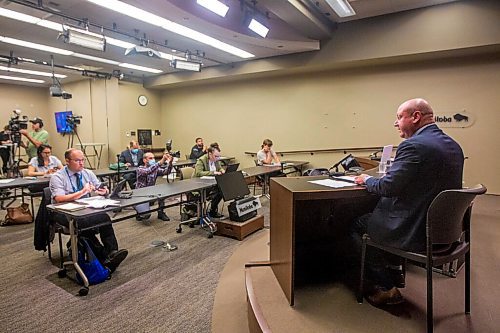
73 120
168 146
17 123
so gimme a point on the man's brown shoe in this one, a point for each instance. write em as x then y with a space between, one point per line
386 297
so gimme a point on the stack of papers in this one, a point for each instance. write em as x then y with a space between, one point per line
332 183
71 206
98 202
207 177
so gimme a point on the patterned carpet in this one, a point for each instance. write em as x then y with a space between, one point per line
152 291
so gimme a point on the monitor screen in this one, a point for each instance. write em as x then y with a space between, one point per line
232 185
61 122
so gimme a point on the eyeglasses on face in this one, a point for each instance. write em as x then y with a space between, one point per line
78 160
46 152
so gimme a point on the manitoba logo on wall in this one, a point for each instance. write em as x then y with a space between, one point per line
460 119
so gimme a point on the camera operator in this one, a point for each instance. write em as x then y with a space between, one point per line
5 151
35 138
198 150
146 176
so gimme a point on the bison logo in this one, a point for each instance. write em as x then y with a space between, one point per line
459 117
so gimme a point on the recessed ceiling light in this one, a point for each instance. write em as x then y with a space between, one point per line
15 78
215 6
27 71
36 46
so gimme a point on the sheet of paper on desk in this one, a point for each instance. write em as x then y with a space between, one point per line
5 181
103 203
332 183
71 206
207 177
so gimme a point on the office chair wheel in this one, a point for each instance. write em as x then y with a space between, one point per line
178 230
191 225
83 291
210 235
61 273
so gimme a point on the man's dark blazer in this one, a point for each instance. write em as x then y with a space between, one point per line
425 164
126 157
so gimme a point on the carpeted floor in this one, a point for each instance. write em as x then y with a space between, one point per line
152 291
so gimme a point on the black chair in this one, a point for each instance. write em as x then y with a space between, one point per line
54 227
447 239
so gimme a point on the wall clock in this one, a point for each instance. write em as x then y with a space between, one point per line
143 100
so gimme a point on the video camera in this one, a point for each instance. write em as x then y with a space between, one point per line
168 146
73 121
17 123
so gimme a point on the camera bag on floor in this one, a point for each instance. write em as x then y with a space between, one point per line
90 264
18 215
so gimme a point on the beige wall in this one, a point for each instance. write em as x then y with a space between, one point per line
341 109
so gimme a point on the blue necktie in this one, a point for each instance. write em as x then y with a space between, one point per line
79 185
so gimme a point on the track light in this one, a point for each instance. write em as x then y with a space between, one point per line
186 65
84 38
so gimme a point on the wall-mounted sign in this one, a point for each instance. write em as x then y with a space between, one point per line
459 119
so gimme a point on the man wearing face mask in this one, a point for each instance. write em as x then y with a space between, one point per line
133 156
146 176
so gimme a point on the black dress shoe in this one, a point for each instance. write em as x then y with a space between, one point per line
115 258
162 216
142 217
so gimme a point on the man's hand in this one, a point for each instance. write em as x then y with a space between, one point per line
166 158
24 132
361 179
128 164
102 191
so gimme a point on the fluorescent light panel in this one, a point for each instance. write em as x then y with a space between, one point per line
27 71
84 38
258 28
15 78
341 7
36 46
215 6
153 19
186 65
140 68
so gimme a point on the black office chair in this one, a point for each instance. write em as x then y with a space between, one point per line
448 223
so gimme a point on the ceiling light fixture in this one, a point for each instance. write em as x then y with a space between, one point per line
27 71
15 78
258 28
341 7
35 46
215 6
84 38
153 19
51 50
186 65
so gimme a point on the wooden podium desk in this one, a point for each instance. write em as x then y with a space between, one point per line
309 222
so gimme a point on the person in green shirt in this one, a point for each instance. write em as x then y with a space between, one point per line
35 138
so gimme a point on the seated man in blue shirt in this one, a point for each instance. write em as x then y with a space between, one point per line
74 182
146 176
133 156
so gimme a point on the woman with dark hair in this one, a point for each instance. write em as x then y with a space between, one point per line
44 164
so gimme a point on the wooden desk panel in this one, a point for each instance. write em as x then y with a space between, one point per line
307 222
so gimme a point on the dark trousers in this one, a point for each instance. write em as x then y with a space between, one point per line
376 260
106 232
4 154
215 197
